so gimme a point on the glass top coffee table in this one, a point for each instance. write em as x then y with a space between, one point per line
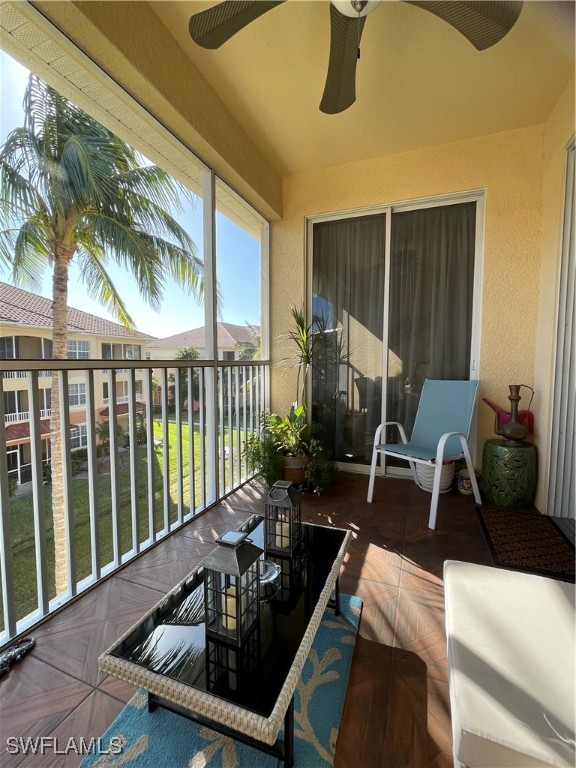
246 696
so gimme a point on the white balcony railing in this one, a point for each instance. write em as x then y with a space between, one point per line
24 374
148 476
14 374
12 418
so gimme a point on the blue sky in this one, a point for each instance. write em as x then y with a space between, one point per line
238 252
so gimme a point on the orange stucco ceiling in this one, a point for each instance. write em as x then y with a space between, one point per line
419 82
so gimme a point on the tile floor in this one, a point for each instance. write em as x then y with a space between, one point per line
397 707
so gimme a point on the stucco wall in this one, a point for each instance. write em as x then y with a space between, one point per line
558 131
508 166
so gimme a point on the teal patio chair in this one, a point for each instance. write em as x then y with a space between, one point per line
440 433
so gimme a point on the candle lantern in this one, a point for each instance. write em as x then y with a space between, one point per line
232 589
282 532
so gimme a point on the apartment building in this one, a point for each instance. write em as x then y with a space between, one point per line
234 342
230 341
25 333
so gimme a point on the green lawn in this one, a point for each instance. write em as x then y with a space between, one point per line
22 515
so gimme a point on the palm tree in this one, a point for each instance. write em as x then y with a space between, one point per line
251 349
72 190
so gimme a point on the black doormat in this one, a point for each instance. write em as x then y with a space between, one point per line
527 541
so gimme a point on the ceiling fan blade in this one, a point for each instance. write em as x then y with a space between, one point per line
340 89
214 26
483 23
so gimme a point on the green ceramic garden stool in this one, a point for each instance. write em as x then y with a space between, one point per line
509 473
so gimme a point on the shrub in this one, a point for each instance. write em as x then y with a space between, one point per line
77 461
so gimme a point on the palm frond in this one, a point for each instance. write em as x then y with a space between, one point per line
100 285
31 253
157 185
133 250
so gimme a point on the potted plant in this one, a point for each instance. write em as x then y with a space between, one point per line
286 449
289 447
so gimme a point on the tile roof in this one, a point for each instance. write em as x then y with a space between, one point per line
123 408
21 430
228 336
26 308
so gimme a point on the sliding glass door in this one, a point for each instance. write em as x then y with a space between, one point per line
392 304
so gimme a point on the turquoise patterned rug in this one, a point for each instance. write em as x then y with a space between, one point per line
164 739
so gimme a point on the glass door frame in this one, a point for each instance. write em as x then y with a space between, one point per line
475 196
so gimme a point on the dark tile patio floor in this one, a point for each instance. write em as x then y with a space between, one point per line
397 710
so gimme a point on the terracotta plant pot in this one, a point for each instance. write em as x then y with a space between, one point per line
295 469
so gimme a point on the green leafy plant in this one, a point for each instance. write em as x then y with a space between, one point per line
321 468
263 459
302 337
103 432
291 434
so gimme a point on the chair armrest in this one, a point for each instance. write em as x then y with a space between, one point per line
380 427
442 443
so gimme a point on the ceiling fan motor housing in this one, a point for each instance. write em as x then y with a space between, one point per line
355 8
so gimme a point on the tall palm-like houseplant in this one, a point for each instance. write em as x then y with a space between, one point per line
72 190
289 446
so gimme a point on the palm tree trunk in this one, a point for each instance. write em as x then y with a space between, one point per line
60 352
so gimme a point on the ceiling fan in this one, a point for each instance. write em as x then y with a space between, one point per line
483 23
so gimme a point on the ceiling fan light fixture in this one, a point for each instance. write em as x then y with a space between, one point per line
355 8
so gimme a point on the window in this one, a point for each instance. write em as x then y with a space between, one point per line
121 352
227 355
8 348
78 436
13 403
131 352
77 394
107 351
79 350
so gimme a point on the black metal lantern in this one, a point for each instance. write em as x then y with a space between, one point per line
232 589
282 531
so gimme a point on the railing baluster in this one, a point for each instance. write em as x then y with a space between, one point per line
221 429
179 480
133 448
67 484
151 456
191 443
114 484
230 461
165 451
38 503
244 414
202 435
93 478
237 415
252 425
6 559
